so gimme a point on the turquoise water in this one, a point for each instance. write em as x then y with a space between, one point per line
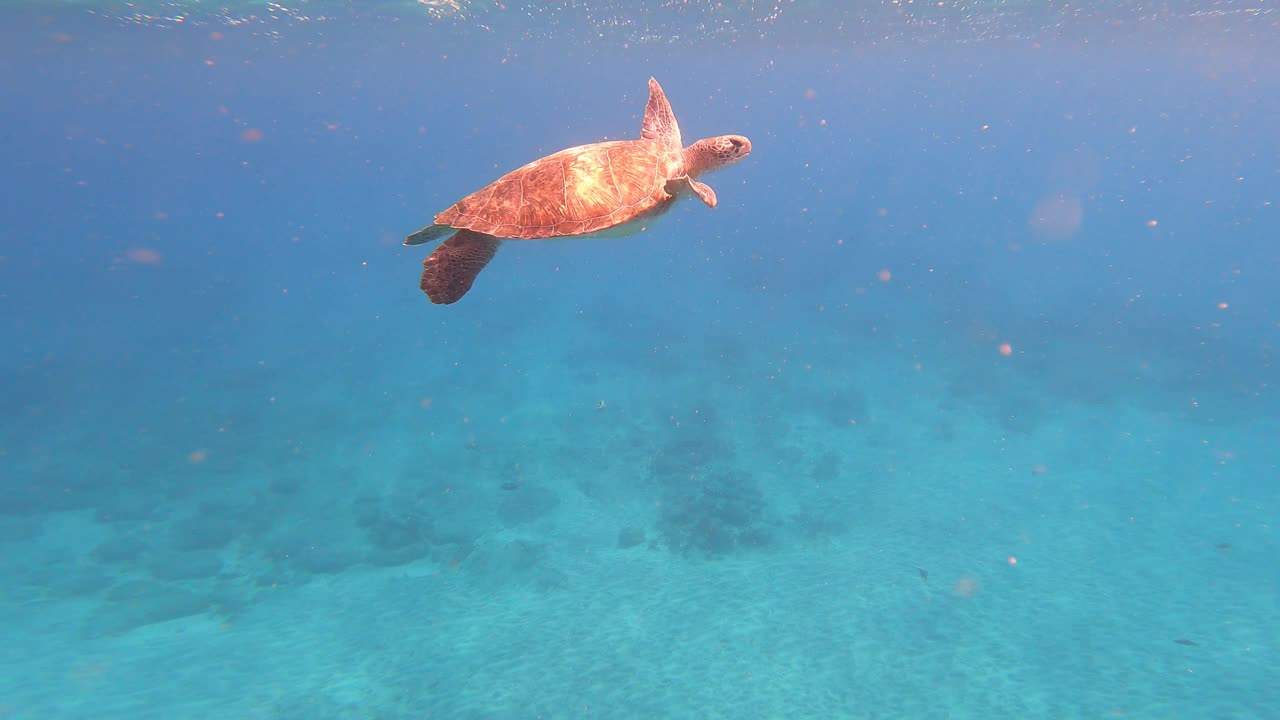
962 403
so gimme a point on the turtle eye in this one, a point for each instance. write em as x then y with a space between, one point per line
736 143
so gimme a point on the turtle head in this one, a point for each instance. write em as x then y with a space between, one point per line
711 154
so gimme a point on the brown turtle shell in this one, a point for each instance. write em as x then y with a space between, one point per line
577 191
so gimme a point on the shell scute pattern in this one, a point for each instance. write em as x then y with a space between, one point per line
573 192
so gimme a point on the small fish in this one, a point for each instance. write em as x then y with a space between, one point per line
1223 546
924 574
511 485
1182 641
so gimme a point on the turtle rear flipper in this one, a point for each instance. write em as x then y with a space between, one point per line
448 272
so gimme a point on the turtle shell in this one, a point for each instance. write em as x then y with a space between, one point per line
577 191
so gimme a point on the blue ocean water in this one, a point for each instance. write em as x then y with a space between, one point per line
962 403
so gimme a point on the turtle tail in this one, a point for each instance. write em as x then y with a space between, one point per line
448 272
427 234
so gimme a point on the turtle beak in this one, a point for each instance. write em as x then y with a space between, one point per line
741 147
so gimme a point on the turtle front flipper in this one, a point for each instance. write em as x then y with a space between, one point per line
448 272
702 190
659 119
427 234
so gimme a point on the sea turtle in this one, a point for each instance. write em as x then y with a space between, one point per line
580 191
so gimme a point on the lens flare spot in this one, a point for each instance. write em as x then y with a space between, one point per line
143 256
966 586
1057 217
